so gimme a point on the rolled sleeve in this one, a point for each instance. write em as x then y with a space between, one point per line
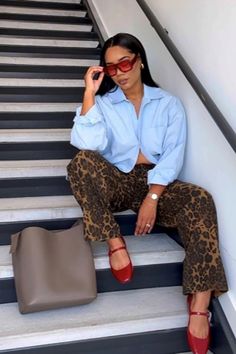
89 131
92 117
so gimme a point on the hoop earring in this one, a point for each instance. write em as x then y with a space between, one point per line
142 66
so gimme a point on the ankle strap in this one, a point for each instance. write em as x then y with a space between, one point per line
198 313
116 249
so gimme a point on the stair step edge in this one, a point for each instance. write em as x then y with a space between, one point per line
33 168
154 249
11 107
49 26
63 1
48 42
165 309
15 82
34 135
47 61
37 11
42 208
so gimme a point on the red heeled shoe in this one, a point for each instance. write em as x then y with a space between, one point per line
198 345
123 275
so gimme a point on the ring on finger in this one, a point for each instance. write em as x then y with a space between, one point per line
148 225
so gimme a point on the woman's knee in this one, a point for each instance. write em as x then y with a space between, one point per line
204 197
82 160
201 203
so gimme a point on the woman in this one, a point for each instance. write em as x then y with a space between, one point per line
131 135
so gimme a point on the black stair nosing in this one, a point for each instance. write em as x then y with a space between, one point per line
67 20
39 90
36 120
167 341
42 71
80 52
49 49
49 34
144 276
222 337
67 69
41 75
37 151
125 221
41 94
66 98
65 38
9 228
9 52
34 187
43 5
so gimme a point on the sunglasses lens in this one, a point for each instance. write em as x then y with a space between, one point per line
125 65
110 70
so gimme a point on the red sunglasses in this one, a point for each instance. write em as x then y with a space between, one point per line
124 66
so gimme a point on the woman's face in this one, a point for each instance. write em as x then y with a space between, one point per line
125 80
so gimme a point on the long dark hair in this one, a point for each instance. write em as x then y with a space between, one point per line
127 41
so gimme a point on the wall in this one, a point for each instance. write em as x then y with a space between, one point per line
204 32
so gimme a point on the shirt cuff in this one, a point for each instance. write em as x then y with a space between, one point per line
92 117
164 178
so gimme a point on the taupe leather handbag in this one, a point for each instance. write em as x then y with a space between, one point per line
52 269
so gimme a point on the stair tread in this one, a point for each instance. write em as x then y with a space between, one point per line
14 82
38 11
38 107
135 311
48 42
146 250
41 208
37 202
33 135
47 61
49 26
33 168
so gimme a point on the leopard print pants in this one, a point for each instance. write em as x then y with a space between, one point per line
101 189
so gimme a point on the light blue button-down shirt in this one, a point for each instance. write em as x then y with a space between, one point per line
112 128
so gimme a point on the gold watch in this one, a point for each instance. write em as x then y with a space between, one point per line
153 196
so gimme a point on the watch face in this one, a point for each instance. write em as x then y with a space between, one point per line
154 196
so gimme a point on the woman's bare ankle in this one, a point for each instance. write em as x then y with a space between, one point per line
201 301
115 242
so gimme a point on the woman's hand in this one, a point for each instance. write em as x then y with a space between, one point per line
146 217
92 85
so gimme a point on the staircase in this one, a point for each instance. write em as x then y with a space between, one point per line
45 48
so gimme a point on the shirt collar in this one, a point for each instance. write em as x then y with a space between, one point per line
150 93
